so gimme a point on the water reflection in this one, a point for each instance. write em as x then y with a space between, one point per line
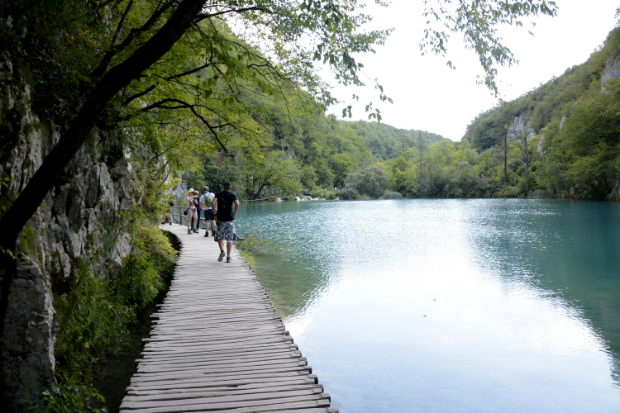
450 305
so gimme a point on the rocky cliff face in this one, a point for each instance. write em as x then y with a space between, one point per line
611 71
520 126
76 227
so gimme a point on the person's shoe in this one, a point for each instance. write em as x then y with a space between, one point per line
206 233
195 231
228 260
170 222
221 257
189 231
213 233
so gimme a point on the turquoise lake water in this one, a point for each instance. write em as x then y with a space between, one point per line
450 305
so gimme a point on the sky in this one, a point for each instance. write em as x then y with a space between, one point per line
429 96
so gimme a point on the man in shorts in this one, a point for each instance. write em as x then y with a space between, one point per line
205 203
225 217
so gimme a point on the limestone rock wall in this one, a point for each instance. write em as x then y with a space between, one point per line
611 71
77 226
29 336
520 126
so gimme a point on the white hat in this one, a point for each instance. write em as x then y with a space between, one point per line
190 190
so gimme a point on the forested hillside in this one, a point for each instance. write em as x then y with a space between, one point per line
567 131
388 142
302 150
560 140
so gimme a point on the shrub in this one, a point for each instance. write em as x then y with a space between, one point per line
367 181
68 397
392 195
319 193
349 193
140 280
332 194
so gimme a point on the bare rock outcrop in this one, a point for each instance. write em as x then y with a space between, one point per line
27 347
520 126
611 71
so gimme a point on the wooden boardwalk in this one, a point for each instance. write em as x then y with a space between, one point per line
217 344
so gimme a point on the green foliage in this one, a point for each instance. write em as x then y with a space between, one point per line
576 153
140 280
392 195
370 181
92 320
68 397
387 142
547 104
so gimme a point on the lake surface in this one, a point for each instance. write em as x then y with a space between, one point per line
450 305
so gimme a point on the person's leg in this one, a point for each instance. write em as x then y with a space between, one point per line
221 244
189 216
213 227
228 248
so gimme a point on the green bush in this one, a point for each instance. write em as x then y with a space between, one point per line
349 194
319 193
92 320
371 182
332 195
392 195
140 280
69 397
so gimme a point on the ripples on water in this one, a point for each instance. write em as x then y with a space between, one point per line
450 305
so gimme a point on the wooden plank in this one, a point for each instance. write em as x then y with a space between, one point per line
242 406
206 383
246 389
142 404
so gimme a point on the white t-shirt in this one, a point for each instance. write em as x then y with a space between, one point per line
210 195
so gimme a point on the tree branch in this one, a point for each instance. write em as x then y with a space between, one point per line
202 17
114 50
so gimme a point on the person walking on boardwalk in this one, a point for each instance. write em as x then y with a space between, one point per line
191 210
196 225
225 217
206 199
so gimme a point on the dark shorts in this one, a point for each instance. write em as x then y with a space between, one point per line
209 214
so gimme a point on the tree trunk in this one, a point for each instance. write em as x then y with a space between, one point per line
260 188
527 179
26 204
